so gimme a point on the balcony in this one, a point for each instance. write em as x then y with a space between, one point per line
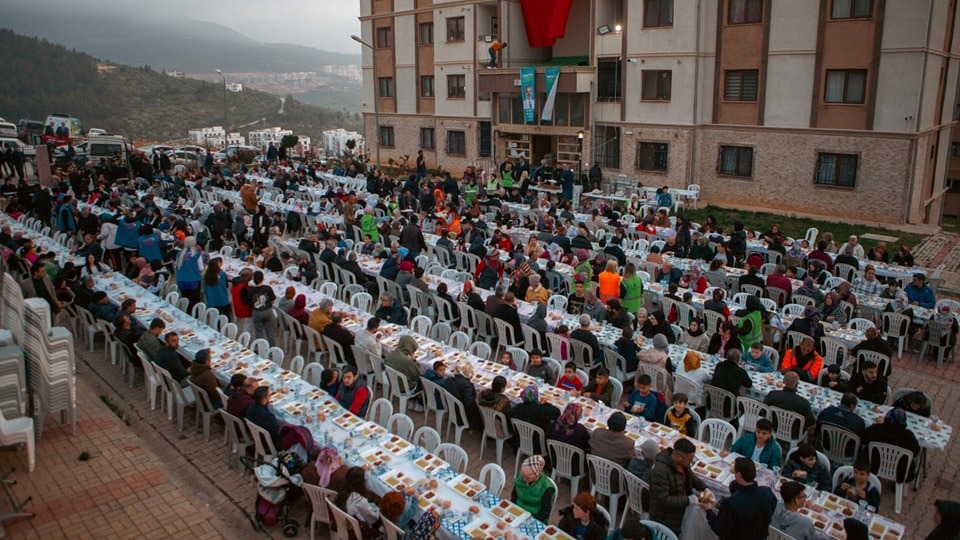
573 79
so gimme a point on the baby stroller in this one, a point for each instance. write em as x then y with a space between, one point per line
278 487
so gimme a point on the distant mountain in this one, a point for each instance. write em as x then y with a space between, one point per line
38 77
183 45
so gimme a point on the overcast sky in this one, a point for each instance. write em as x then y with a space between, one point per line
325 24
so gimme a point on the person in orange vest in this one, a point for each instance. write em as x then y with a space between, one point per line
450 220
494 49
609 281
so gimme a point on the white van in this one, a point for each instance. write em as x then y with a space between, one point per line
8 129
107 146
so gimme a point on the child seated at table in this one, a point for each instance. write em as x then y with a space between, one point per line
679 418
834 379
857 487
643 401
569 381
756 359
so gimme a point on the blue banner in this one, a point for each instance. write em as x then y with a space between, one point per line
552 75
528 94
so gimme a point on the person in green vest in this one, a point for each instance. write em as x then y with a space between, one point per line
506 176
493 184
532 490
470 191
368 224
631 289
750 327
583 267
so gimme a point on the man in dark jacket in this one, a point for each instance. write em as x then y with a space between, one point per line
507 311
259 413
168 358
342 336
411 237
868 384
672 484
585 335
788 398
746 513
738 242
751 278
844 415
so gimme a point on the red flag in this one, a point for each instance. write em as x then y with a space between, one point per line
546 20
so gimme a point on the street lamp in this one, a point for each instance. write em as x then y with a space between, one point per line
376 106
220 73
580 156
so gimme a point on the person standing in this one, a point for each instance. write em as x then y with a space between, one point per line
421 166
494 50
673 484
261 302
747 512
190 266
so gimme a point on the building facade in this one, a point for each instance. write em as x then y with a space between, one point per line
335 141
213 137
822 107
262 138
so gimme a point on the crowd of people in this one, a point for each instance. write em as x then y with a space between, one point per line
146 230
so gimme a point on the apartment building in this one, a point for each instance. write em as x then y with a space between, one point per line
261 138
823 107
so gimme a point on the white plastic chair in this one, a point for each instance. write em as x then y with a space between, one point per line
458 340
329 290
380 411
562 455
458 415
427 438
362 301
312 373
319 498
861 325
750 410
606 479
491 421
774 533
889 457
238 436
400 425
492 476
557 302
347 526
792 310
19 431
433 400
481 349
205 409
262 442
296 364
718 433
635 488
421 324
455 456
401 388
659 530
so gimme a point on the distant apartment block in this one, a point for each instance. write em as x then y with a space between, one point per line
236 139
234 87
262 138
208 136
335 141
830 107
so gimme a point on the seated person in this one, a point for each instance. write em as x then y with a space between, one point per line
611 443
642 400
804 360
756 359
787 517
679 418
259 413
353 393
532 490
856 487
834 379
804 466
760 446
790 400
569 381
600 389
915 402
844 415
868 384
583 520
539 369
893 430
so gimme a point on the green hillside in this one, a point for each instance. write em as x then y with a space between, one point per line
38 78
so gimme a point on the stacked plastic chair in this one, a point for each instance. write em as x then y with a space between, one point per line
13 380
50 365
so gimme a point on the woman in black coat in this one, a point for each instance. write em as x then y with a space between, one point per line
461 388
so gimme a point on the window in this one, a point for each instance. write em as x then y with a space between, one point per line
485 140
735 161
745 11
426 33
657 13
652 156
741 85
457 142
456 86
427 138
455 29
955 149
606 150
838 170
954 185
386 135
386 86
426 86
384 37
608 77
852 9
568 110
656 85
845 85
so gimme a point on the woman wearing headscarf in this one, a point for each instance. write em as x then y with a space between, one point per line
470 297
656 323
567 429
656 355
893 430
845 293
495 399
461 387
538 321
327 470
809 288
716 303
354 499
398 508
531 410
750 327
189 267
298 309
215 287
692 369
831 311
694 336
809 324
695 279
947 517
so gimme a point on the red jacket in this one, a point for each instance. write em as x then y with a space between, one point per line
240 308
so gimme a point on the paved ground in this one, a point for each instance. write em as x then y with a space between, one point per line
145 480
942 248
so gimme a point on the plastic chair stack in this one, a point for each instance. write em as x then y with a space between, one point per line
13 379
50 364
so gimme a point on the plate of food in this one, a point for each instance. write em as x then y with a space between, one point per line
430 463
592 423
484 530
466 486
396 445
398 480
553 533
372 429
835 531
820 521
836 504
660 430
883 529
347 421
296 408
713 472
376 457
509 513
705 453
430 499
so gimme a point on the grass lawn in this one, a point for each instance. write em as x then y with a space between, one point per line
797 227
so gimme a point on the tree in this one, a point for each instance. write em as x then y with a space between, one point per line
289 141
350 144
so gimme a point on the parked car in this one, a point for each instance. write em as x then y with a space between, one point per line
190 160
96 132
233 152
148 150
199 150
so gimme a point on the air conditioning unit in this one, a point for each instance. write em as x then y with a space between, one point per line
516 82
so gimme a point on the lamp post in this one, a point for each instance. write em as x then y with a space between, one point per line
580 156
220 73
376 106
